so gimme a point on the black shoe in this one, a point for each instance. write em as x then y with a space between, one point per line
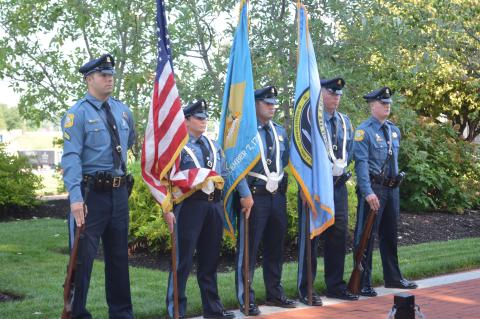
368 292
401 284
252 310
282 302
344 295
316 300
224 314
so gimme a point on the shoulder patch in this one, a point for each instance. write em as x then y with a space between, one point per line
69 120
359 135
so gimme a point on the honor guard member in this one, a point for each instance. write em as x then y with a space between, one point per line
339 146
376 148
199 220
262 197
97 132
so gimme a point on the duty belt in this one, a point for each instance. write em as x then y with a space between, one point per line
215 196
103 181
391 182
262 190
342 179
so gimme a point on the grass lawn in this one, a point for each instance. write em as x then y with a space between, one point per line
31 266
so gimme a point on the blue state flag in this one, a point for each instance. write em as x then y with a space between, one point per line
238 124
309 161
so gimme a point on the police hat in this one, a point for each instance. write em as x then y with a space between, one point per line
384 95
198 108
267 94
334 85
103 64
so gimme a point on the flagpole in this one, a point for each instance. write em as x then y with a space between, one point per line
309 254
173 238
246 266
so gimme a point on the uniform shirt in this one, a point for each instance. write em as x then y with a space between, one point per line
370 152
187 162
243 185
87 145
327 119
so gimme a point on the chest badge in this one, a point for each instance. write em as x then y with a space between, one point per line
280 138
394 135
378 138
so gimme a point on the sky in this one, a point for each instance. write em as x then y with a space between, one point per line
7 96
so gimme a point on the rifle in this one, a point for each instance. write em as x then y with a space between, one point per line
355 277
69 284
246 267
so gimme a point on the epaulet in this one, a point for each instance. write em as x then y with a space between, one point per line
77 104
115 99
389 122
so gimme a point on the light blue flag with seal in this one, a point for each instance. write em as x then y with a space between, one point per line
309 161
238 123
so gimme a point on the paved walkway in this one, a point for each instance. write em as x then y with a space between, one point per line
445 297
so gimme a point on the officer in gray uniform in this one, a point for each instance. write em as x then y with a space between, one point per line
376 148
199 220
97 132
263 197
339 146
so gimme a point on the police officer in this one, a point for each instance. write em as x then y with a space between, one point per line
199 220
97 132
339 146
376 148
263 199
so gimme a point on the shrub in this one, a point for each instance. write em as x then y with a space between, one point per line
17 182
442 170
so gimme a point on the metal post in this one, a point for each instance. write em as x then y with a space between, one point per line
405 305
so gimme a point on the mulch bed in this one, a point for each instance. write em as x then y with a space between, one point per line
413 228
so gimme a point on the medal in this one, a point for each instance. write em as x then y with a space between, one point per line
272 182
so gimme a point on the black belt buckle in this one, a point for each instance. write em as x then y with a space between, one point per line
117 181
391 183
211 196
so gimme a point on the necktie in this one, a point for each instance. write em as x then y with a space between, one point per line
116 148
335 146
205 153
269 153
391 168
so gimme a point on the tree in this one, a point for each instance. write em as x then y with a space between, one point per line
427 51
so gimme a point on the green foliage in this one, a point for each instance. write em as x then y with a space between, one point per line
147 228
17 182
9 118
442 170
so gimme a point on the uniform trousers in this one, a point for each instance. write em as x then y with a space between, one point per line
335 238
385 228
199 229
267 225
107 219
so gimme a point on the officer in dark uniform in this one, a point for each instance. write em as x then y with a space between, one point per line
199 220
97 131
263 198
339 146
376 148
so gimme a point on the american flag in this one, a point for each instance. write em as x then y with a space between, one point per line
166 132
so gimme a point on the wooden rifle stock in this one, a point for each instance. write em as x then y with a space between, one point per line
69 284
246 267
354 282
